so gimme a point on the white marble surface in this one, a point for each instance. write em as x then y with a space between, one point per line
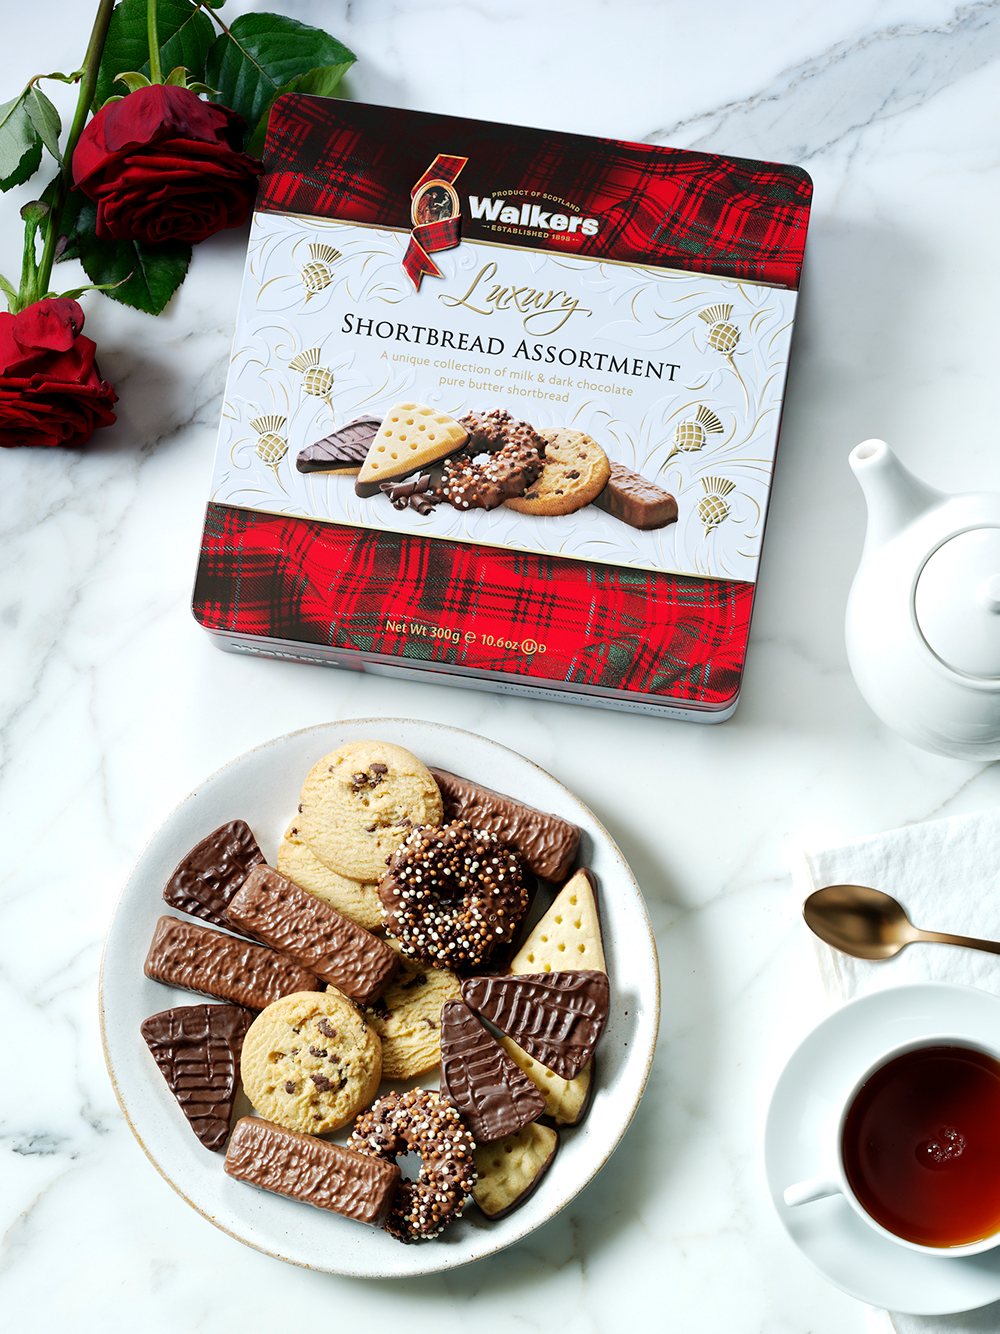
114 704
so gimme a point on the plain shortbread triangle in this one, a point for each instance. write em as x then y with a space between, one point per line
568 936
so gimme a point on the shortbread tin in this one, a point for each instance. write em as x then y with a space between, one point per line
502 408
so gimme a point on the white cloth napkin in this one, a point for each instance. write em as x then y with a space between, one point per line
946 874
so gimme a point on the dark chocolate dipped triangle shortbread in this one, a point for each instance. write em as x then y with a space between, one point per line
494 1096
197 1048
555 1017
343 450
210 874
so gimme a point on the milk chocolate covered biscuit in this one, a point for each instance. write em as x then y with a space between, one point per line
493 1095
545 843
312 1170
636 501
197 1048
183 954
304 928
342 451
213 871
555 1017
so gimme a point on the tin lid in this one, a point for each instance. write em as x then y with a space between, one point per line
957 602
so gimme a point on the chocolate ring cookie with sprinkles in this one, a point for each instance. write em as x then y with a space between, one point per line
420 1122
451 894
514 458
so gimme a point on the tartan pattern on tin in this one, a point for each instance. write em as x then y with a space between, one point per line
537 617
731 217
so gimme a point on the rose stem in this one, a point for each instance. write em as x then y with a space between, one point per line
153 37
88 82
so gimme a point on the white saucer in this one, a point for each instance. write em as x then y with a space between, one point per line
800 1126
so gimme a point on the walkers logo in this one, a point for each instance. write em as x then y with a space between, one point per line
552 217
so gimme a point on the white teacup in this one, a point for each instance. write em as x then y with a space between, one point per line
835 1182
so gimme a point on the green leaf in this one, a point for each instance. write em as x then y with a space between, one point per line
186 35
319 82
267 54
178 77
45 118
142 276
20 144
132 80
10 293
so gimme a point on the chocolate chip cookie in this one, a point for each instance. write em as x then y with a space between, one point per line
310 1062
359 803
575 471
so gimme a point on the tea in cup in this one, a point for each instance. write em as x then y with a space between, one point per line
917 1150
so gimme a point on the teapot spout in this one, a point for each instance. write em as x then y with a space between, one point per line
894 496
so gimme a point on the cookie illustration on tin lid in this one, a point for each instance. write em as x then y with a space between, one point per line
575 470
411 436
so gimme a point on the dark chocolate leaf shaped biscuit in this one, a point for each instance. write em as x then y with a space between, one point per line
197 1048
554 1017
494 1096
211 873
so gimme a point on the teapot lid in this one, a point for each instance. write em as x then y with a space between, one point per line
957 602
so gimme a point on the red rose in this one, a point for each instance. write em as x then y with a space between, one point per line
51 392
162 166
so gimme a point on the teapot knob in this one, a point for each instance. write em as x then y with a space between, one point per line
988 593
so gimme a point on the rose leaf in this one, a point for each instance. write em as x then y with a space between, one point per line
20 143
45 119
142 276
263 55
185 33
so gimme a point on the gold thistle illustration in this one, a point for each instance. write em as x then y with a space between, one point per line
272 445
692 435
722 335
318 272
713 508
316 379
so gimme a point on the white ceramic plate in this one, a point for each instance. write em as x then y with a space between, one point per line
262 787
801 1125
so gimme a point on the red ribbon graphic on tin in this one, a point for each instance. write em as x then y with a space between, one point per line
436 214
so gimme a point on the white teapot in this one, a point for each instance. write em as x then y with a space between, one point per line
923 616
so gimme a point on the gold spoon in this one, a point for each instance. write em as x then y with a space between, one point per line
868 924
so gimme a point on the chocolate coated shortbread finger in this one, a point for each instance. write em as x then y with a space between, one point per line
545 843
211 873
184 954
304 928
636 500
312 1170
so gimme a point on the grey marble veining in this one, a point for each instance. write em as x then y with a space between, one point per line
113 704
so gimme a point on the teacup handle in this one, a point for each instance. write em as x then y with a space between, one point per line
816 1188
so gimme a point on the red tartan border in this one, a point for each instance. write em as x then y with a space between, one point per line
542 618
727 216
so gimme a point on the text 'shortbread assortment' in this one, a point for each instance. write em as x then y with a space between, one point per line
340 996
523 430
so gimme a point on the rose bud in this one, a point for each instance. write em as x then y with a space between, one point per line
163 166
51 392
